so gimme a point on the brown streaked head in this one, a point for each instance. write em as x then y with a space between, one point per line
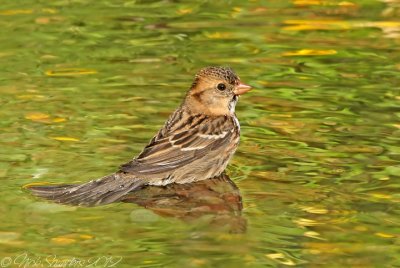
215 91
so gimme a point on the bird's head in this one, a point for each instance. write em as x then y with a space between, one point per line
215 91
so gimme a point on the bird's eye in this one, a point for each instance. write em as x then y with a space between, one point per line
221 86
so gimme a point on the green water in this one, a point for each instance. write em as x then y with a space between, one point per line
85 84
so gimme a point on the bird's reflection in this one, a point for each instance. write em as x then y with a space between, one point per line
217 199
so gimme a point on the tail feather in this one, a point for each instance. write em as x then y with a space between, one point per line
102 191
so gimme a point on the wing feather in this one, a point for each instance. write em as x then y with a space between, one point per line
177 149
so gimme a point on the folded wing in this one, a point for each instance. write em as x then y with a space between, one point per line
179 148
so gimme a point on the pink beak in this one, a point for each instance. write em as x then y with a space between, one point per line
241 89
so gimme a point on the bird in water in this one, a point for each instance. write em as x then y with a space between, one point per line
196 143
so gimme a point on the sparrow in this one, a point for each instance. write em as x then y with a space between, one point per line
196 143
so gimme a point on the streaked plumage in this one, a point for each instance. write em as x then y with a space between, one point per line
195 144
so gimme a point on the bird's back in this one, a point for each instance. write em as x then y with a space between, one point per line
189 147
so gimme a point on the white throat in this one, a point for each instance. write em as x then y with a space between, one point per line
232 104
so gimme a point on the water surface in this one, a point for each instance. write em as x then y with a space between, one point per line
85 84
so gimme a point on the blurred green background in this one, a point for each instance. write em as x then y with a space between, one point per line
85 84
